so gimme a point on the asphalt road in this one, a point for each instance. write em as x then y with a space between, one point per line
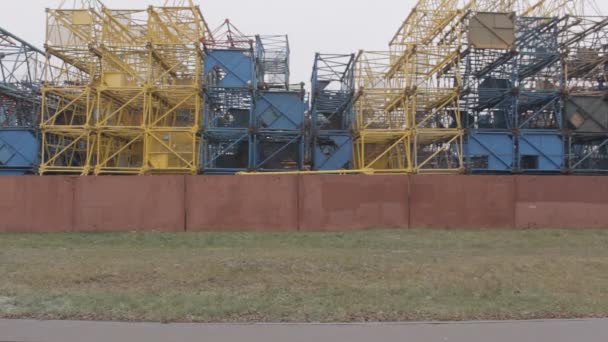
528 331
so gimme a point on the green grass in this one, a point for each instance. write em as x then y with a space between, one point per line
364 276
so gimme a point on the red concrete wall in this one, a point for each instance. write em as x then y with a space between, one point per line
307 203
438 201
242 203
353 202
562 202
129 203
36 204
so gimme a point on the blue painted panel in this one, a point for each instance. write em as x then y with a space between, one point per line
280 110
490 151
19 149
546 148
230 69
333 152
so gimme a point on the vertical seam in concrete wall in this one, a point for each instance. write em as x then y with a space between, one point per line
515 184
298 203
73 184
409 202
185 205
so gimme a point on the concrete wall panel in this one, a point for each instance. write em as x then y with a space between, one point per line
36 204
462 202
562 202
129 204
353 202
240 203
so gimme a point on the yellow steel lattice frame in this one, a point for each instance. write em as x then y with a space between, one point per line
382 142
425 67
140 106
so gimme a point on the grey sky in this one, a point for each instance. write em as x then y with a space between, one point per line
330 26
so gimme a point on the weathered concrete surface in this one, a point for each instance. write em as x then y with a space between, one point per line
533 331
227 203
308 203
462 202
330 203
36 204
129 203
562 202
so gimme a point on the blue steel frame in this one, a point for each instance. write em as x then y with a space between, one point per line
332 112
278 139
514 97
539 118
278 151
588 152
21 73
272 59
229 102
583 42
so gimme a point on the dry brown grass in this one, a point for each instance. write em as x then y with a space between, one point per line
366 276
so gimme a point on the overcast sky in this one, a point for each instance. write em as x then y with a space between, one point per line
327 26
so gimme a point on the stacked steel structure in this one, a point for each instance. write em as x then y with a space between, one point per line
253 119
584 40
407 102
230 90
278 131
332 112
382 133
21 75
513 94
137 107
481 87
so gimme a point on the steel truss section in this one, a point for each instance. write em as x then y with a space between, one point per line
384 151
425 68
382 141
332 92
228 109
583 41
513 96
539 74
226 151
139 109
332 112
272 58
278 152
21 75
587 152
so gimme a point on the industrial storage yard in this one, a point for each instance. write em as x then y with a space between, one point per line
458 174
486 87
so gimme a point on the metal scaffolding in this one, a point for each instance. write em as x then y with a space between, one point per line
425 69
332 113
278 127
272 61
21 74
512 103
138 109
382 134
584 40
230 86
